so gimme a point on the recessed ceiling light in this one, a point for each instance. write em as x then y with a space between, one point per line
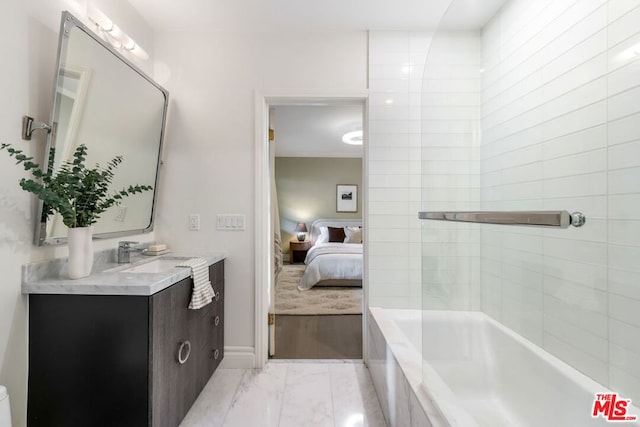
388 101
353 138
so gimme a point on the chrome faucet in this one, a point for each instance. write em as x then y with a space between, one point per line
125 249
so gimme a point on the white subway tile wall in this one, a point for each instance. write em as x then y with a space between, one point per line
541 110
396 64
451 170
561 130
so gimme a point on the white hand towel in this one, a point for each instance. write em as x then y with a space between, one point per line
202 291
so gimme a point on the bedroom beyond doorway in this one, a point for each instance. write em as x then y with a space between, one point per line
317 176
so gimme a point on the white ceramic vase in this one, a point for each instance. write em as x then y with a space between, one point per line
80 252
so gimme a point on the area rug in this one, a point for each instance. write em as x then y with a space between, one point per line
325 300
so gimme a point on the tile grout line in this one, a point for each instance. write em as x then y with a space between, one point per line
333 408
284 389
235 395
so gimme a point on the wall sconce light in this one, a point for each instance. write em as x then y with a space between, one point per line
114 35
29 125
301 229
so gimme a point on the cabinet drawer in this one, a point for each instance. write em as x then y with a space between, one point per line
216 273
217 346
173 390
210 349
218 292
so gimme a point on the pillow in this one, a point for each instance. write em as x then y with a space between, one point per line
353 235
336 234
323 237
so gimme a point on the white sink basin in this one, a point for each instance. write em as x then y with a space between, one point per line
157 266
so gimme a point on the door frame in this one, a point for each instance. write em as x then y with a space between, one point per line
263 255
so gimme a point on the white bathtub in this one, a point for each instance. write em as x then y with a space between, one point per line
479 373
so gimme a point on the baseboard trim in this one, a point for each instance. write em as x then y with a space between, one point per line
238 357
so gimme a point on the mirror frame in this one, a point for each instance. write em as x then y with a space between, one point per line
68 21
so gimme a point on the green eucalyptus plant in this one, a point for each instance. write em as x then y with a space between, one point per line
78 193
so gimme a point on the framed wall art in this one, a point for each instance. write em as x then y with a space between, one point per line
346 198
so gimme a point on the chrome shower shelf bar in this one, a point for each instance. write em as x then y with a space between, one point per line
551 219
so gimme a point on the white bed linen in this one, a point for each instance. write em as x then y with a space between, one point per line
332 261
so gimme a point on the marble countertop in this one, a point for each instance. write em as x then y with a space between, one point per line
108 278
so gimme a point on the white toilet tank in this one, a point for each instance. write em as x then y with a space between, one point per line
5 410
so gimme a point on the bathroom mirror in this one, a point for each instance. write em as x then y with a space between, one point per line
104 101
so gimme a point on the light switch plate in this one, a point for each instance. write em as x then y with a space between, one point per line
230 222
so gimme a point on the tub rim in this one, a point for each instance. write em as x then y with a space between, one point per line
437 399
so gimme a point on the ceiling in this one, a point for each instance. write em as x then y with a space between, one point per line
315 130
270 15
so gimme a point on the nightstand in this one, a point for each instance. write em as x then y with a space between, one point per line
298 250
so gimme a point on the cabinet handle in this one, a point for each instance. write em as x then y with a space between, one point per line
216 354
217 295
216 321
182 360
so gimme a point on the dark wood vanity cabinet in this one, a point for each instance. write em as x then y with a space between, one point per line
102 360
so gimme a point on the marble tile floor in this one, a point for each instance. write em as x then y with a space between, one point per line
289 393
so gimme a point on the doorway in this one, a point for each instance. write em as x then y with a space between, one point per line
311 162
266 106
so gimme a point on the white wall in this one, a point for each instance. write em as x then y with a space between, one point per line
560 131
306 189
209 154
396 62
30 30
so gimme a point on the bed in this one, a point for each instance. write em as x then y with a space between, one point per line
333 263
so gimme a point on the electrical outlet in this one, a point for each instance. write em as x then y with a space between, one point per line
121 211
194 222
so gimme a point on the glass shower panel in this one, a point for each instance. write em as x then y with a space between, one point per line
538 109
451 170
450 260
